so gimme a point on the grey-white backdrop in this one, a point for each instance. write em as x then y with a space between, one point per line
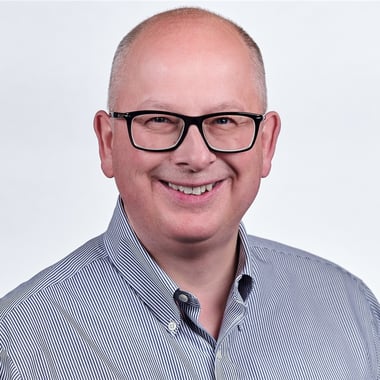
323 71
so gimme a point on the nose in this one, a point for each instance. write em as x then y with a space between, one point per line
193 152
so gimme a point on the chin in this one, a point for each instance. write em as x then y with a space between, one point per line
193 233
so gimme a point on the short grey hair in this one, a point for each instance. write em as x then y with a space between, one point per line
127 41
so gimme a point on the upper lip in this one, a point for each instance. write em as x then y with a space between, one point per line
187 184
195 190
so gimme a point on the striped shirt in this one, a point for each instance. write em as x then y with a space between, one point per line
107 311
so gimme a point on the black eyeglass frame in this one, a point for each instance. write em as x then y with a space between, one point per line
189 121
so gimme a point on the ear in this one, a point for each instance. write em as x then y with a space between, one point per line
269 134
104 133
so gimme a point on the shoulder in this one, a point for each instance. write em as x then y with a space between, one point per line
45 281
276 252
317 276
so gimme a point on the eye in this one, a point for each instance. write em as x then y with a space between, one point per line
155 121
223 120
162 123
159 119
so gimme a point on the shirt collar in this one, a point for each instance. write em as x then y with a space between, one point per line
246 268
141 272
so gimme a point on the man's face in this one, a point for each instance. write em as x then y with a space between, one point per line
191 70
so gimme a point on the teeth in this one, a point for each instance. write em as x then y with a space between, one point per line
198 190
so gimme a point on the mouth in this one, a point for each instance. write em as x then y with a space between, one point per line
196 190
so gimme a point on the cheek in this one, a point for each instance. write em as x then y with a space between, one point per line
124 164
248 170
248 166
133 170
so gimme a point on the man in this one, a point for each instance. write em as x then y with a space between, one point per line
175 288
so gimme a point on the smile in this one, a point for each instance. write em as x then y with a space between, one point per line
197 190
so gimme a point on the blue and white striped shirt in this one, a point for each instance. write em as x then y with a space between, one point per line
107 311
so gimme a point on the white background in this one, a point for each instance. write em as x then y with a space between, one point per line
323 72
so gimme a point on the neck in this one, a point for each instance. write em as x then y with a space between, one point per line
207 273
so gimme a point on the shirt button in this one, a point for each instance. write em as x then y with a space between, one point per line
219 355
183 297
172 326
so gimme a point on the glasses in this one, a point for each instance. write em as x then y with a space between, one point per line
156 131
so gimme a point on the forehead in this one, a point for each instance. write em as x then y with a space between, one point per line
188 34
185 54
